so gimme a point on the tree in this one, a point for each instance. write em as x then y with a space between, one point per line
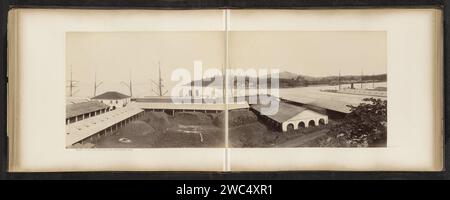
365 125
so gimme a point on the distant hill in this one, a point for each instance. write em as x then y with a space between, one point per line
286 75
289 79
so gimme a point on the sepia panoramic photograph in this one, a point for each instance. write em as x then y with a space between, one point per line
186 89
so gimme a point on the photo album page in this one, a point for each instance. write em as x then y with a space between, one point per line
225 90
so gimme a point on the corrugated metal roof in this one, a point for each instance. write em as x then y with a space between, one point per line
189 106
73 100
76 109
285 111
167 99
82 129
111 96
328 100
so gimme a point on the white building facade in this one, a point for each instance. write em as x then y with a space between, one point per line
113 99
305 119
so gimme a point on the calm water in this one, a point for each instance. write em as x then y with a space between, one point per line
314 96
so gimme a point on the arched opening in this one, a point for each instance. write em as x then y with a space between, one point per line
321 121
290 127
301 125
311 123
114 107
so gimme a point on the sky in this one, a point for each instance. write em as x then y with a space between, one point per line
310 53
112 55
116 56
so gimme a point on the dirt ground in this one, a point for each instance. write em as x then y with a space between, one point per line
194 129
159 130
258 135
254 133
